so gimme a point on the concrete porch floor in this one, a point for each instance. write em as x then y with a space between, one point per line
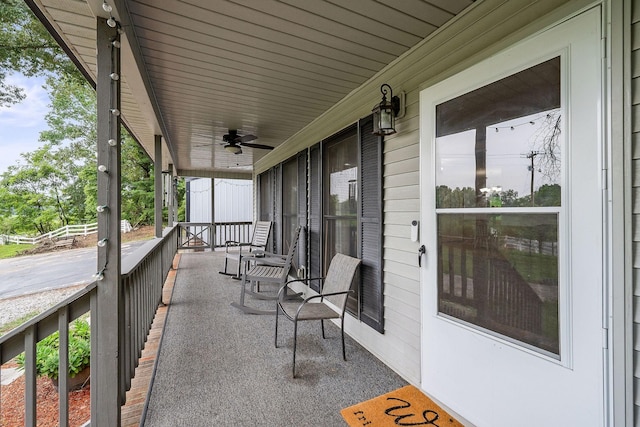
218 366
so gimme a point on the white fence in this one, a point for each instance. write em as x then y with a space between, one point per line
67 231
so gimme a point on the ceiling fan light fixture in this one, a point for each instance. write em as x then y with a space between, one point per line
233 148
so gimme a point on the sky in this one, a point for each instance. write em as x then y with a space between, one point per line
507 145
21 124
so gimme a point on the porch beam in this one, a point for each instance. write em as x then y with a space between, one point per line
157 173
106 372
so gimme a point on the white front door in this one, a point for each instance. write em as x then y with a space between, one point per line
512 222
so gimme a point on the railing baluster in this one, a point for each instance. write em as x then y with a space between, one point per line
30 376
63 366
0 386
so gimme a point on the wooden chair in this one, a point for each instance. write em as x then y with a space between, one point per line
234 250
265 269
335 289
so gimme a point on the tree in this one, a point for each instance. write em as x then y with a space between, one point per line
137 184
57 185
59 180
26 47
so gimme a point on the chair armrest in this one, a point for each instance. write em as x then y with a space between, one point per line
234 243
286 285
267 258
330 294
321 296
272 254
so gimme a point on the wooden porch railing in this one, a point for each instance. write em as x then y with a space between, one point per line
205 235
143 276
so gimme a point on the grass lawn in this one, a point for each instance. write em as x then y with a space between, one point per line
17 322
8 251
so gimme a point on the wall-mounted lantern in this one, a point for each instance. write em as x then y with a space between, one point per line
385 113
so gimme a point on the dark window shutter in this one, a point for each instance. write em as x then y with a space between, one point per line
371 292
315 215
302 207
277 208
265 190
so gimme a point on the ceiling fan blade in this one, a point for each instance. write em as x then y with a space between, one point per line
245 138
262 146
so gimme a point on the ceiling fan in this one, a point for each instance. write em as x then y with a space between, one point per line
235 142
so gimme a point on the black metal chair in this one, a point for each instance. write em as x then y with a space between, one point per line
335 290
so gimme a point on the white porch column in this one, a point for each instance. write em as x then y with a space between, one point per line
107 311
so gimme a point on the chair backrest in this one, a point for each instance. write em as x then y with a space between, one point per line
292 251
339 277
261 234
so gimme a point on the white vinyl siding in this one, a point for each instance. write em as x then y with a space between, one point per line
635 100
488 27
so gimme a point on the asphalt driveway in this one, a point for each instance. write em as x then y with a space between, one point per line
52 270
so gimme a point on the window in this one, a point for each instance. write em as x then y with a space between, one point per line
345 213
294 204
340 179
498 206
338 187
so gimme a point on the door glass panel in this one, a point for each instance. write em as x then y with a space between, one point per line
500 272
499 147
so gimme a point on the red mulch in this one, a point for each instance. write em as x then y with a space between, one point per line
12 404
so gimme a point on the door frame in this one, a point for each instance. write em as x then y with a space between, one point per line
429 229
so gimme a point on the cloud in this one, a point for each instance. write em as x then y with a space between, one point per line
22 123
31 111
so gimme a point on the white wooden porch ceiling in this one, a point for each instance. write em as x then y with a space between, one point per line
264 67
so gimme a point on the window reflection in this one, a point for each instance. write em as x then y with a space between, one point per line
340 198
499 146
500 272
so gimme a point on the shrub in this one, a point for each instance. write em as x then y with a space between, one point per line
47 355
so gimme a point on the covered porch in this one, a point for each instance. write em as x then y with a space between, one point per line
227 89
281 92
219 366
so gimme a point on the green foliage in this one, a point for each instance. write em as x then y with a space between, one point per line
47 351
138 184
56 184
27 47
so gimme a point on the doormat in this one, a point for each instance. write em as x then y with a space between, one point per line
406 406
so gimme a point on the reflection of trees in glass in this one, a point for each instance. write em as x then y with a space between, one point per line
545 151
547 195
458 198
